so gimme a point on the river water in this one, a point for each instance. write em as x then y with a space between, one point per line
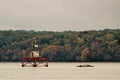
60 71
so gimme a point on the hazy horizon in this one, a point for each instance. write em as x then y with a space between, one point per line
59 15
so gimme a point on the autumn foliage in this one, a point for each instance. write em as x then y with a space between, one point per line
102 45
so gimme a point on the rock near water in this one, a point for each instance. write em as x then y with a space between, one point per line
86 65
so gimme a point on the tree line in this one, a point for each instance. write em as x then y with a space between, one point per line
101 45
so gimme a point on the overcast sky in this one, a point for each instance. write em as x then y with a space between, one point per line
59 15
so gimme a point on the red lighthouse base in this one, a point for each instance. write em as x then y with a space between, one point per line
36 61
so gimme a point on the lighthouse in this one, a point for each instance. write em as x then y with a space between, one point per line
35 49
34 59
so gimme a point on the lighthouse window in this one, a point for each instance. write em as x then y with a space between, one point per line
36 45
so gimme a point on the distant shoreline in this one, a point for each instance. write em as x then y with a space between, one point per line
67 46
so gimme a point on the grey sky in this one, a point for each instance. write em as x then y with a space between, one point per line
119 13
59 15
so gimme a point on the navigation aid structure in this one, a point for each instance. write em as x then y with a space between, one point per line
34 59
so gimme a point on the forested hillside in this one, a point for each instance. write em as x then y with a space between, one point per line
102 45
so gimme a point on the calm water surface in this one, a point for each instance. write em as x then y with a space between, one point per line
60 71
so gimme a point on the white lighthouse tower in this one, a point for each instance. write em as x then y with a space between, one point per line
35 49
